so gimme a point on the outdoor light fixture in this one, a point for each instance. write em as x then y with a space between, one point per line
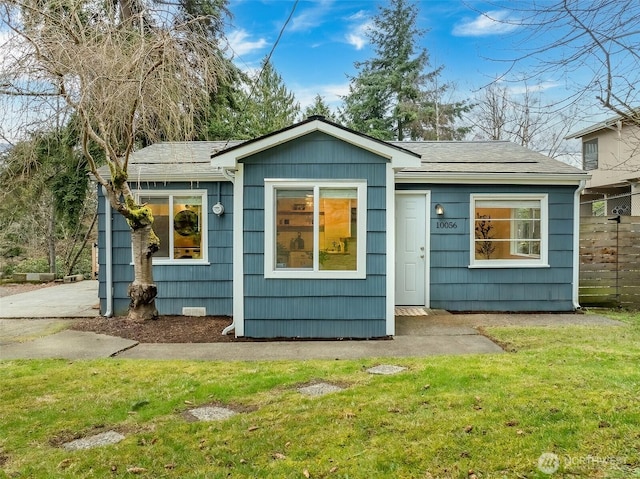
439 209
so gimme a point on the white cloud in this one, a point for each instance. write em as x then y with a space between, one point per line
357 37
494 22
331 93
359 15
537 88
240 45
311 18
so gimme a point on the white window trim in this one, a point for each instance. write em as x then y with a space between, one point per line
513 246
270 271
522 261
205 224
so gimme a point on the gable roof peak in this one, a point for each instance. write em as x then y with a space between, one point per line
400 157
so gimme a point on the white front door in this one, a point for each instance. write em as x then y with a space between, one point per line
412 252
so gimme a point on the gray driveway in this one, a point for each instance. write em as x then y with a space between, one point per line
69 300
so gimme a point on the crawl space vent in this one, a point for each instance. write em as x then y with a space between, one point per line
192 311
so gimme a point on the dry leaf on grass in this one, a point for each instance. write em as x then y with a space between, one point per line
136 470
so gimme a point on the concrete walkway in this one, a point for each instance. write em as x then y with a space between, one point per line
69 344
68 300
419 336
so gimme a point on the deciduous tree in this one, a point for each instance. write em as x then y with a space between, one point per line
522 118
126 69
594 47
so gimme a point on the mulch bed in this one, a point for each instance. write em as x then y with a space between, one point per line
166 329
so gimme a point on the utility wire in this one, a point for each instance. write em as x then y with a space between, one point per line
267 60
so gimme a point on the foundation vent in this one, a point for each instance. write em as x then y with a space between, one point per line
193 311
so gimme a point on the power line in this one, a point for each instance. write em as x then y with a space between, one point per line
267 60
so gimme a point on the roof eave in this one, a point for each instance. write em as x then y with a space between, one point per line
171 177
492 178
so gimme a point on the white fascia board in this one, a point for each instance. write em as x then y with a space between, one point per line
398 158
174 178
493 178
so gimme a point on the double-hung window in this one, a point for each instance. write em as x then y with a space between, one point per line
509 230
590 155
315 229
180 222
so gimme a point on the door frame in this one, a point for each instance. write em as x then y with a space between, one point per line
427 240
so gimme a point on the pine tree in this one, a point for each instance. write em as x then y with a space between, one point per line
319 108
269 106
395 94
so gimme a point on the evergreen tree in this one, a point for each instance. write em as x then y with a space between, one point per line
225 107
243 109
394 96
320 108
268 106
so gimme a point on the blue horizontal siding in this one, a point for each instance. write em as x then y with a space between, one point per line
325 307
179 285
513 306
456 287
377 220
314 307
305 171
314 329
294 288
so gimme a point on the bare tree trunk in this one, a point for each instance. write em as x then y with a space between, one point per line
74 261
143 290
51 238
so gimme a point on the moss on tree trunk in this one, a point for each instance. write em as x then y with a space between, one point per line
143 290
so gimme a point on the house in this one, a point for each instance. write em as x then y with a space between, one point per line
319 231
611 154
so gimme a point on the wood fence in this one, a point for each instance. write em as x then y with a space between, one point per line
610 261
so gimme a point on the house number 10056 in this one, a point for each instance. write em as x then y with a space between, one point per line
446 225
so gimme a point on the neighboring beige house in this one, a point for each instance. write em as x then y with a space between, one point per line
611 154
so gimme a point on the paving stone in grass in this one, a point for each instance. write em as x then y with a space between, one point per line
102 439
386 369
211 413
319 389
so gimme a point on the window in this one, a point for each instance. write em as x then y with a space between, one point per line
509 230
590 155
180 222
315 229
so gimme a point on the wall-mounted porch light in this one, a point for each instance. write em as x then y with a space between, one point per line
439 209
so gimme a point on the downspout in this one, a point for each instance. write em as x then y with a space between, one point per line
108 255
576 244
229 175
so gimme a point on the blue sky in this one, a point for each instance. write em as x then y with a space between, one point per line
324 38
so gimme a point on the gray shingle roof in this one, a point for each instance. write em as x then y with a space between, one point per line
175 161
191 161
482 157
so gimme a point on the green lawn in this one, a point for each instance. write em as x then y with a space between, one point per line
571 391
